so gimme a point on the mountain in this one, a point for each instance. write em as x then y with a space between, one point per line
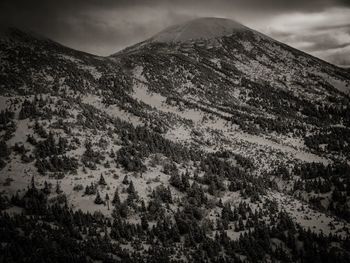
208 142
199 29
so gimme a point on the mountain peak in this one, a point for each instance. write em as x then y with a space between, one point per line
198 29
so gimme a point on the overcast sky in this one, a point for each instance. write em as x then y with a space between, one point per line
320 27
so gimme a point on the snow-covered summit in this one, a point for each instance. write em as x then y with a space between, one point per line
198 29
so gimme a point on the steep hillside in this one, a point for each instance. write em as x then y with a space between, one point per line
208 142
251 95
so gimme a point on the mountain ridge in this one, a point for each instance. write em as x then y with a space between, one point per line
200 28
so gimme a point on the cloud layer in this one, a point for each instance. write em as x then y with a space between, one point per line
320 27
325 34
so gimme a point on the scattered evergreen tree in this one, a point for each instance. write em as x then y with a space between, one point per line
116 198
102 181
125 180
98 199
58 189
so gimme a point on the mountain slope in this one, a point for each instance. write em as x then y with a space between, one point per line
262 86
206 137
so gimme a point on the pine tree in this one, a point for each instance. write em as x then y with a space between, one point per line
175 181
132 194
47 188
240 224
102 180
144 223
236 229
131 189
143 206
125 180
98 199
116 198
58 188
123 210
212 188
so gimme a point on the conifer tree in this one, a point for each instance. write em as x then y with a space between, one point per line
98 199
144 223
47 188
58 188
131 189
102 180
132 194
116 198
125 180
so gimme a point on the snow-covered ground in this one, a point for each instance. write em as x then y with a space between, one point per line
309 218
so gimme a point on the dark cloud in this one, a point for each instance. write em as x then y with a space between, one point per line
325 34
322 42
105 26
